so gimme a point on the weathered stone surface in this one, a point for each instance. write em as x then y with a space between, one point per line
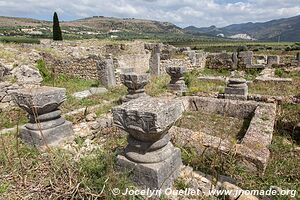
234 60
219 60
298 57
3 71
155 162
27 75
135 84
45 126
82 94
177 83
89 92
236 89
52 136
106 72
154 62
272 60
245 59
154 175
98 90
40 100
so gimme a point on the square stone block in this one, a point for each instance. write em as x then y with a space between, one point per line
50 136
236 91
154 175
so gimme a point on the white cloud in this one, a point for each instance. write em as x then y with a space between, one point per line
180 12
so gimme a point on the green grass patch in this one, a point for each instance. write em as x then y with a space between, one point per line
158 85
12 118
19 40
275 89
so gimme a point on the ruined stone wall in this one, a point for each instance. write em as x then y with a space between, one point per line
219 60
131 55
139 62
80 67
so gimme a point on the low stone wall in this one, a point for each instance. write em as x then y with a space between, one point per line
85 68
252 150
219 60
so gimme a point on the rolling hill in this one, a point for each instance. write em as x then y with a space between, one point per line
286 29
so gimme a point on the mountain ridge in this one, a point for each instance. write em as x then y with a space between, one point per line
284 29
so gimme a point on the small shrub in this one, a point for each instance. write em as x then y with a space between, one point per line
279 72
242 48
44 71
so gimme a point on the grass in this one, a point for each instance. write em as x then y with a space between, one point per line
198 86
215 72
19 40
26 172
158 85
12 118
275 89
230 128
72 85
283 167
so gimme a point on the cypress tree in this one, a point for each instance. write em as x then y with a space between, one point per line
56 28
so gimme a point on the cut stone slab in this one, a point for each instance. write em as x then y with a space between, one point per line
90 92
82 94
147 117
135 84
98 90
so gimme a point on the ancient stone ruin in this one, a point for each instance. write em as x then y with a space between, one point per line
251 148
177 84
271 60
236 89
154 62
149 155
106 72
135 84
46 126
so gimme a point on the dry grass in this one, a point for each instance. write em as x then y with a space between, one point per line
27 173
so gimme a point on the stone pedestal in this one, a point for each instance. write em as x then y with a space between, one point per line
150 156
177 84
135 84
236 89
45 126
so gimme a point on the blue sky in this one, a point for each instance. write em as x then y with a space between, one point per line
180 12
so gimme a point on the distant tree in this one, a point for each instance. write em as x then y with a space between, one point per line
56 28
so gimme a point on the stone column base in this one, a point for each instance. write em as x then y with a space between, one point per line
130 97
235 97
51 136
153 175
